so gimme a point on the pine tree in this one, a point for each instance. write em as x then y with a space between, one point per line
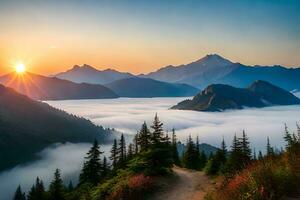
105 168
32 193
270 150
92 168
130 151
260 156
19 195
70 186
136 145
245 148
190 158
122 151
236 155
56 189
157 134
114 154
197 144
144 138
174 149
37 191
203 159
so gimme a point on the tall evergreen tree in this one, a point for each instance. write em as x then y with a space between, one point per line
56 189
105 167
19 195
37 191
191 157
234 162
32 193
270 150
122 151
144 138
114 154
245 148
92 168
136 145
260 156
157 134
70 186
174 149
130 151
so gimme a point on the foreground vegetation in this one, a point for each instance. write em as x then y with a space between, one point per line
132 170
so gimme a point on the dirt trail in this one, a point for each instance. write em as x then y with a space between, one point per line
188 185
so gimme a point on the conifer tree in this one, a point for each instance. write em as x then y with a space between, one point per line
234 162
203 159
270 150
144 138
174 149
122 151
190 158
130 151
197 144
245 148
136 145
260 156
254 154
19 195
56 189
114 154
70 186
157 134
92 168
105 167
32 193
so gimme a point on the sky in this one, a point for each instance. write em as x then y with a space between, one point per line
140 36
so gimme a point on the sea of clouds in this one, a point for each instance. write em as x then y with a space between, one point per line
127 115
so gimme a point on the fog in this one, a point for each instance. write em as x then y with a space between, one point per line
127 115
66 157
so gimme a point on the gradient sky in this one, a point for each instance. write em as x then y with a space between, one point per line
141 36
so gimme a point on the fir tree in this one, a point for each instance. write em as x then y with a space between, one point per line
92 169
191 157
19 195
157 134
130 151
32 193
122 151
70 186
234 162
105 168
114 154
270 150
260 156
56 189
174 149
245 149
203 159
144 138
136 145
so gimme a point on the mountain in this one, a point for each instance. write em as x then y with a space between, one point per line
48 88
28 126
214 69
146 87
198 73
88 74
220 97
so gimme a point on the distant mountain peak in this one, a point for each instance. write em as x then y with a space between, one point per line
83 67
214 59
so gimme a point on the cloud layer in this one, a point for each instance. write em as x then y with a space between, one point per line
127 115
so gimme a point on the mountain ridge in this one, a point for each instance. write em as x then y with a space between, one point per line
219 97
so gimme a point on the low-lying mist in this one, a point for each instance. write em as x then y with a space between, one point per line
66 157
127 115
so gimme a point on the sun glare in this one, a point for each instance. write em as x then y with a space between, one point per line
20 68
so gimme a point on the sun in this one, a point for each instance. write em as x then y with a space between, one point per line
20 68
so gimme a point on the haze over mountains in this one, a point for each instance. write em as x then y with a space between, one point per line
88 74
51 88
214 69
211 69
28 126
219 97
146 87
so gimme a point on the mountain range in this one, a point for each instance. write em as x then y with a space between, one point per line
214 69
219 97
146 87
88 74
211 69
28 126
51 88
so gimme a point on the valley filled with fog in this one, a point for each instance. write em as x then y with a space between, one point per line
127 114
